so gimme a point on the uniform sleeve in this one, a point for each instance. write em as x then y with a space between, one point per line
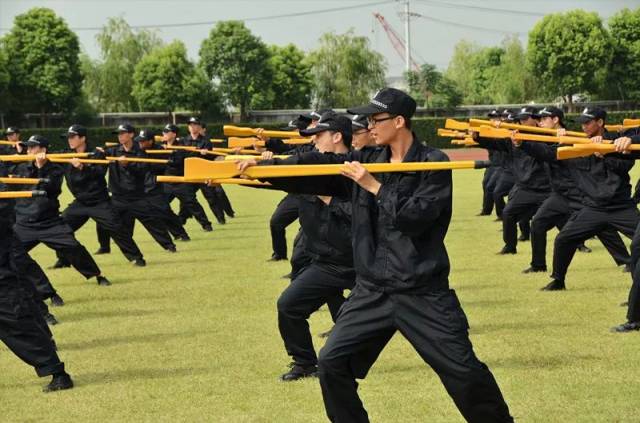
501 144
53 175
413 213
540 151
337 186
619 163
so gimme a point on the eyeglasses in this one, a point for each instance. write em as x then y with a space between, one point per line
373 122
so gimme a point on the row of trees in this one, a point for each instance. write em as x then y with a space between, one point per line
42 69
567 54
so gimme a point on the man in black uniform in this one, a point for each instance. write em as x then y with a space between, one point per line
185 193
21 326
88 185
633 304
565 199
155 192
606 198
33 279
286 211
127 186
326 225
399 223
531 182
491 174
198 140
38 220
221 197
361 135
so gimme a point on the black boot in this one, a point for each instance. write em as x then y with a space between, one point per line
626 327
533 269
102 281
60 264
554 285
59 382
299 372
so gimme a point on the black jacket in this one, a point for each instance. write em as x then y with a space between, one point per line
560 177
88 185
603 182
279 147
529 173
127 182
398 235
39 211
175 167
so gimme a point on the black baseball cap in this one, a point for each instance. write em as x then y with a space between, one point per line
75 129
145 135
389 100
359 122
12 130
552 111
124 127
331 121
495 113
301 122
591 113
195 120
170 128
36 140
528 112
505 113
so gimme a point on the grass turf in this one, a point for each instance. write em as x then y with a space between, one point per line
193 336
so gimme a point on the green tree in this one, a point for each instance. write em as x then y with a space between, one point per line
109 80
346 71
291 82
512 82
485 67
461 66
44 70
423 83
5 79
201 96
160 77
568 52
624 71
238 60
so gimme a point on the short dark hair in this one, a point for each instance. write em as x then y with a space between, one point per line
346 138
407 122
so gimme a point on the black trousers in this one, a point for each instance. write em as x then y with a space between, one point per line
141 209
171 220
586 223
436 327
633 310
22 329
555 211
105 216
522 206
189 205
29 271
489 181
503 186
315 286
218 202
299 257
58 237
285 214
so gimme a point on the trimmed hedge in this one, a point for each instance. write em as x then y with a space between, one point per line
425 128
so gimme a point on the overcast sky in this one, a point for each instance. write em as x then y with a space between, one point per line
433 34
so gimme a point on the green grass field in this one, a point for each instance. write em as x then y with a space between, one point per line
193 336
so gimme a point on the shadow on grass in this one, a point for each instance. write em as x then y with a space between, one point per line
99 378
111 298
125 313
487 327
541 362
149 338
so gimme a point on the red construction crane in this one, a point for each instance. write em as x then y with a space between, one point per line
396 40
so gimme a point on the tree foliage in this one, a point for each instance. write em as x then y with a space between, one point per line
109 80
568 53
624 70
44 68
346 71
431 88
238 61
